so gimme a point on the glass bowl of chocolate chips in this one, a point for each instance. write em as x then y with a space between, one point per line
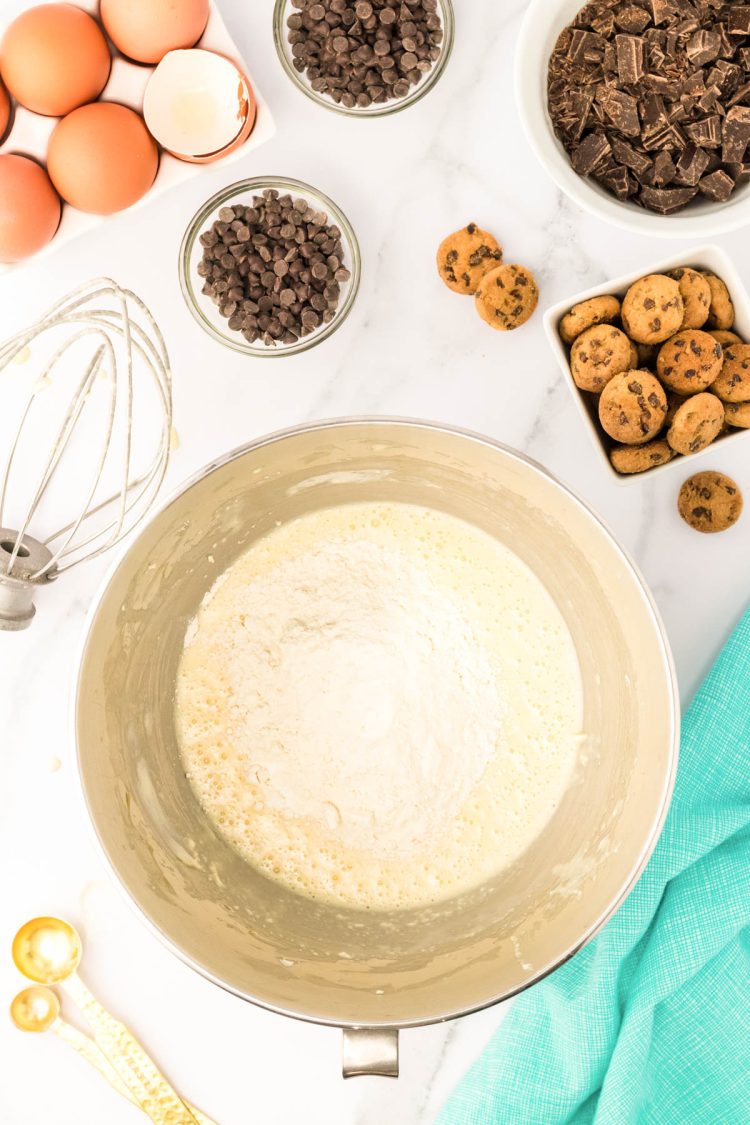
364 58
639 110
270 267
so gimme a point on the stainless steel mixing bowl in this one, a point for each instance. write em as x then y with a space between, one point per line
368 970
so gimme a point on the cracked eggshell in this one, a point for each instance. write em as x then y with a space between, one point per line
199 106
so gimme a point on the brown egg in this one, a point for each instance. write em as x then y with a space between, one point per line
4 109
53 58
145 30
102 158
29 208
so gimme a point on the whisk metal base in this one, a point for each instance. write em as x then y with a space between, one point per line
30 563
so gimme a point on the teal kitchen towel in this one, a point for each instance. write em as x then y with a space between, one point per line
650 1023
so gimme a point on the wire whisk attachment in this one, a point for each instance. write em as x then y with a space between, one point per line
86 419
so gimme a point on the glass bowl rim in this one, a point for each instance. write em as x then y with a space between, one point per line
195 228
396 105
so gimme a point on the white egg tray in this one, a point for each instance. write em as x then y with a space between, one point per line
30 132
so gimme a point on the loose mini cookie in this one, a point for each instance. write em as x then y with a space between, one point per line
737 414
507 297
464 257
689 362
598 354
628 459
597 310
632 407
653 309
733 382
721 313
723 337
696 423
696 296
710 502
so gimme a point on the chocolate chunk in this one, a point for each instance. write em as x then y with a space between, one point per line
706 133
590 152
735 134
740 173
691 165
617 180
664 170
726 76
718 186
703 47
663 10
630 157
632 19
740 94
621 110
667 200
738 19
631 56
585 46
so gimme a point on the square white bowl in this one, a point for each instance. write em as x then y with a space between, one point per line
711 258
543 22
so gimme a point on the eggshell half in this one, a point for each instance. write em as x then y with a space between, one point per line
29 208
54 58
102 158
198 105
145 30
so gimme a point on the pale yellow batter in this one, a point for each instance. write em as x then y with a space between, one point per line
379 705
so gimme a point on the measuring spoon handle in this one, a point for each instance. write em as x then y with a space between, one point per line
84 1046
137 1070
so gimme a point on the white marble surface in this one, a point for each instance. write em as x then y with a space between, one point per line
408 348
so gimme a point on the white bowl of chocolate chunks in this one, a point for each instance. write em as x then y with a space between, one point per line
640 109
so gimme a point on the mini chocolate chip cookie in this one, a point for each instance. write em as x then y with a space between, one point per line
696 296
733 382
653 309
464 257
721 313
507 297
689 362
710 502
597 310
598 354
723 337
695 425
628 459
737 414
632 407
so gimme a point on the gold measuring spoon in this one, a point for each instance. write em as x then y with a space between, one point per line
37 1009
48 951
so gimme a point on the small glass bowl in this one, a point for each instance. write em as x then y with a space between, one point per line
207 313
285 8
